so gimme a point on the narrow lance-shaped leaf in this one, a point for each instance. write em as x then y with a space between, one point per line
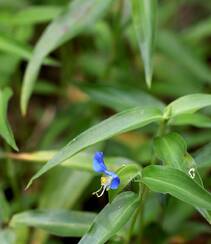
30 15
198 31
111 219
144 21
197 120
57 222
188 104
171 46
121 99
5 130
19 49
165 179
79 15
119 123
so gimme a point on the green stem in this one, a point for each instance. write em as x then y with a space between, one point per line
130 232
160 132
142 204
143 194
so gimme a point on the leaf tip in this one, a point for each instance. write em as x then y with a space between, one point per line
28 185
149 81
23 107
15 147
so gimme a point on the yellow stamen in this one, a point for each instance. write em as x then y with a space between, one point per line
104 180
105 185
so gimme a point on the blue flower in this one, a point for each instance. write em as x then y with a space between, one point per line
110 181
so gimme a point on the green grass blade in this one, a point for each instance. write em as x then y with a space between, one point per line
119 123
121 99
144 21
79 15
5 130
19 49
174 48
199 31
30 16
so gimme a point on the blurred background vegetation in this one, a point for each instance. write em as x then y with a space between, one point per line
85 80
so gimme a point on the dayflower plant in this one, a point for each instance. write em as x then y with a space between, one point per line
110 181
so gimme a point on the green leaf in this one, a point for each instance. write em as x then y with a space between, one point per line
7 236
56 194
198 31
182 82
197 120
122 122
111 219
171 149
188 104
171 46
19 49
30 15
126 173
5 130
57 222
5 210
144 21
78 17
121 99
173 181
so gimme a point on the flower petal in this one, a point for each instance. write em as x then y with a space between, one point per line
115 182
98 162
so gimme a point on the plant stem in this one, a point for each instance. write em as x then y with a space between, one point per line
130 232
142 203
143 194
160 132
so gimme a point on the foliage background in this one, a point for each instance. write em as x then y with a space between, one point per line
97 72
